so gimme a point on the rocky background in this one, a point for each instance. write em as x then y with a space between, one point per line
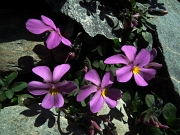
20 51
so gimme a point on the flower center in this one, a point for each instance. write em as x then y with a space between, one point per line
136 70
53 91
104 92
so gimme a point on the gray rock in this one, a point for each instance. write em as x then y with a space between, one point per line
88 14
19 56
34 120
168 27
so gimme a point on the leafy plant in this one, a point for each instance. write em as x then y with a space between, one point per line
9 88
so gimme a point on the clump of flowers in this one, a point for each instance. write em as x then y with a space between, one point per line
36 26
135 65
51 87
103 91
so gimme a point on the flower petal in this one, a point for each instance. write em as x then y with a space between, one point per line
153 54
140 80
96 102
66 41
48 22
154 65
85 91
48 101
59 71
44 72
66 86
130 51
58 100
124 74
93 77
142 58
53 40
63 39
107 80
36 26
117 59
111 103
114 93
148 74
38 88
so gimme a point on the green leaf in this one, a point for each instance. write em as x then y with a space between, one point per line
171 132
150 100
102 65
102 49
137 104
150 130
96 64
169 111
117 45
147 36
143 27
173 123
133 2
9 94
14 99
83 103
126 97
2 96
1 82
113 68
76 81
18 86
78 75
11 77
116 41
150 25
24 99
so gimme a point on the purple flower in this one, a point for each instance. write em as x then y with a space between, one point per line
134 65
102 90
54 39
51 87
153 65
134 20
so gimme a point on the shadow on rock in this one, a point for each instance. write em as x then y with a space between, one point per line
26 63
43 115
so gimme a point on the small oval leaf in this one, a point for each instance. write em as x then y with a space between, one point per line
18 86
169 111
11 77
9 94
2 96
150 100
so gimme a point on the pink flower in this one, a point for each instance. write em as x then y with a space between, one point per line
154 65
51 87
38 27
102 90
134 65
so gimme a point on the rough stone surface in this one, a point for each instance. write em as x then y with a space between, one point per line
35 120
168 27
19 56
88 14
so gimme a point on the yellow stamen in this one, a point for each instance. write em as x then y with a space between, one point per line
104 92
136 70
53 91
